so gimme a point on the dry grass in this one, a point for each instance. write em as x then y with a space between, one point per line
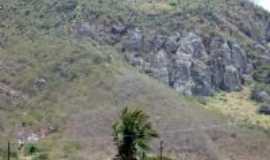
83 109
239 107
162 6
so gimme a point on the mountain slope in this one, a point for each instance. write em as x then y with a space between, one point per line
67 69
81 105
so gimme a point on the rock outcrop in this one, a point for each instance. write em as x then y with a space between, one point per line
189 63
260 96
264 109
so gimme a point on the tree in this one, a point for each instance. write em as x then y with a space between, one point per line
132 134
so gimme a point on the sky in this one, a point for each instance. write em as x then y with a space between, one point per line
264 3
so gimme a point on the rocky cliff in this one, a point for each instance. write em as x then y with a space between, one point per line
219 51
189 64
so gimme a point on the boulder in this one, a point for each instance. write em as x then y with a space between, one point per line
40 83
264 109
260 96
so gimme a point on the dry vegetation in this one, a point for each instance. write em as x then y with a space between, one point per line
240 108
87 84
84 108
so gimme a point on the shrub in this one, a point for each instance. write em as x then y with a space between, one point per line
30 149
173 3
132 134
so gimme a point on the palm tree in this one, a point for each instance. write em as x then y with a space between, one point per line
132 134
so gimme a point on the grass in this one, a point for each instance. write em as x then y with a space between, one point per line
82 109
155 7
86 86
239 108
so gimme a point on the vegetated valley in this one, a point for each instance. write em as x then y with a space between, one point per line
199 69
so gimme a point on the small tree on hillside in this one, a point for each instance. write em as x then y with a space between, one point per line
132 134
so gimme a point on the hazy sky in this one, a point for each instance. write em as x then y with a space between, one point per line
264 3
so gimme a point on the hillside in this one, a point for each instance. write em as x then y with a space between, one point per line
69 66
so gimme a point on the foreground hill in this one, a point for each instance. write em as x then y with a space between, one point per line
67 69
74 92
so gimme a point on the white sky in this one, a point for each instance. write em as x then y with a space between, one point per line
264 3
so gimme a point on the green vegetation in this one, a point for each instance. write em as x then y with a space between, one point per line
33 152
132 135
30 149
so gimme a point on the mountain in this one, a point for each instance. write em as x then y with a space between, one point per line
196 67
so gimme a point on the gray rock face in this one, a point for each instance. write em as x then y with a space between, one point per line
134 40
180 72
158 66
260 96
193 44
172 43
231 79
187 64
267 31
201 77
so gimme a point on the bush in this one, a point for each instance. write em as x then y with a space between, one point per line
30 149
132 134
173 3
